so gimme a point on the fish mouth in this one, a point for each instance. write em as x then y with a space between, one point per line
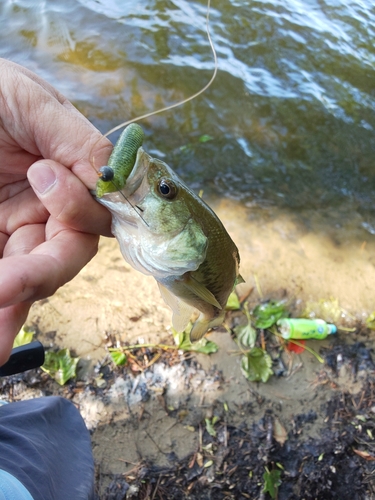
126 203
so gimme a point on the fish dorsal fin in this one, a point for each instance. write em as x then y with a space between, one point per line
201 291
181 311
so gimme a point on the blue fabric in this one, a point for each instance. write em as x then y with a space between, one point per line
11 488
45 444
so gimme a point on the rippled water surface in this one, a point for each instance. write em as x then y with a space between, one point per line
290 116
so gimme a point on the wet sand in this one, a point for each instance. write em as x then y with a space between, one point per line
280 257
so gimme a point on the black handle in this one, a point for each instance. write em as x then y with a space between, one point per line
25 357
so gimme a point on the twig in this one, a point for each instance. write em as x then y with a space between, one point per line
139 346
156 488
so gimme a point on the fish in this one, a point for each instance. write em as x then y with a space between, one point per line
166 231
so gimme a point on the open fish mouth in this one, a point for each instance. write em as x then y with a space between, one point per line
124 201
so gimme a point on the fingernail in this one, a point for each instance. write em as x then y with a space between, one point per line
41 177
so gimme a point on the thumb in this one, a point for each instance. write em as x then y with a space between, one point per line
67 199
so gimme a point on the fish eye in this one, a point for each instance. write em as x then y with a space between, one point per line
167 189
106 173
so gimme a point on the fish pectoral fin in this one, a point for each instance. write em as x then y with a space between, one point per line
239 280
201 291
182 312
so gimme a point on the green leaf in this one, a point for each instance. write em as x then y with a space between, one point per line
210 428
203 345
272 482
60 365
23 337
118 357
205 138
233 303
370 321
268 313
256 365
246 334
178 337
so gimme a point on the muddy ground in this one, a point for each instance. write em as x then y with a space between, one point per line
178 425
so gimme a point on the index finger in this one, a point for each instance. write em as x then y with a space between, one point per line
52 127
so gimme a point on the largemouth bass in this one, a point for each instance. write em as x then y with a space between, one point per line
166 231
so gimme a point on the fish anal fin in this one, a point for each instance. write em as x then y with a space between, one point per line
201 291
182 312
203 324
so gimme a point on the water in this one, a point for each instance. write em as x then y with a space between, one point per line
291 113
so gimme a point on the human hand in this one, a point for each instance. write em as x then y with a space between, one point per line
49 222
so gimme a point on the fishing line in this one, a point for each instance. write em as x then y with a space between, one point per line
167 108
180 103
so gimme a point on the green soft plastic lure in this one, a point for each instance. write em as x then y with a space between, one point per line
112 177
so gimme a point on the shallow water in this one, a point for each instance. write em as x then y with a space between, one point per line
291 113
290 116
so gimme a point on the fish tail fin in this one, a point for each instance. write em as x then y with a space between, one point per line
203 324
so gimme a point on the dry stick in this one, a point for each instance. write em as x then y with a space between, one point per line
156 488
